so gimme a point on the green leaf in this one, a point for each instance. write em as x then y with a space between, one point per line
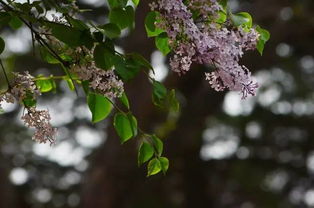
31 19
111 30
159 93
68 35
47 57
173 102
78 24
103 57
159 90
65 57
165 99
136 2
99 105
146 151
110 45
159 146
241 19
153 167
98 36
222 17
122 17
164 163
86 39
162 43
85 85
39 9
25 7
126 69
2 45
150 20
121 69
124 99
141 61
124 127
117 3
118 16
264 37
29 101
133 123
15 23
45 85
5 17
130 16
72 36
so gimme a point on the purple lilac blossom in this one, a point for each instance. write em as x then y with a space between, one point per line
202 40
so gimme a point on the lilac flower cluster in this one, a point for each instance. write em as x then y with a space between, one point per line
40 120
200 39
22 87
102 81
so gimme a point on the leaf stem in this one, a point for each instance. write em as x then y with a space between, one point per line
117 107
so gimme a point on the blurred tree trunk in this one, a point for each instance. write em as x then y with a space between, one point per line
114 180
6 188
114 175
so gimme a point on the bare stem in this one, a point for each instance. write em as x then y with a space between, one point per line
36 34
42 42
5 74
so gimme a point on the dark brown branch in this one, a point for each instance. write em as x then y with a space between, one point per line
5 74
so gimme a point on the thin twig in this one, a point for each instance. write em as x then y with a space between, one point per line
117 107
51 77
5 74
37 36
33 38
42 41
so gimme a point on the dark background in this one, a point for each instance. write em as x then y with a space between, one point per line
223 152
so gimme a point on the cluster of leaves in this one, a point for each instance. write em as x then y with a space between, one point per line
70 33
244 19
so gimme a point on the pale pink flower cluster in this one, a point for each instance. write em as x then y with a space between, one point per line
203 41
22 87
40 120
102 81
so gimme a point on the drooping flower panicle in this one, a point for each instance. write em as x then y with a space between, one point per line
40 120
22 87
202 40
